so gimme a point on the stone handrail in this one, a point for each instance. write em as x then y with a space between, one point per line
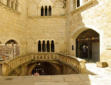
10 65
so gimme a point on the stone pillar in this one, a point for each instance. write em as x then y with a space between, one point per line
44 10
68 7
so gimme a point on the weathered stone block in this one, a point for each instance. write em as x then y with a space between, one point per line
102 64
83 67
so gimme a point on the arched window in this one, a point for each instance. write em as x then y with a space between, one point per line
78 3
39 46
52 46
11 42
45 10
50 10
42 11
48 46
43 46
13 45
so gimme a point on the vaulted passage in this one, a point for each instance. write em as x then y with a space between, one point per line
87 45
37 68
44 68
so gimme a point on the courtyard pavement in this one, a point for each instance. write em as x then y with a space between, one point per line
98 76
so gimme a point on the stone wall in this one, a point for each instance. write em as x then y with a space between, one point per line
26 26
44 28
12 24
96 17
27 30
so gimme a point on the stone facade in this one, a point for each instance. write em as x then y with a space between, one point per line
24 24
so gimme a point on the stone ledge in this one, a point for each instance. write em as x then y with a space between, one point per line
45 17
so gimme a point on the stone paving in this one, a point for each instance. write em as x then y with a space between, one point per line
100 76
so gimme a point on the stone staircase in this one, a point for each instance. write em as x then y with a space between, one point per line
10 65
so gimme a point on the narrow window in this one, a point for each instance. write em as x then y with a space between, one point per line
72 47
45 10
78 3
48 46
43 46
52 46
50 10
8 3
39 46
42 11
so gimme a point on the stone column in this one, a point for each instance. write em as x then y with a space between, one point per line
68 10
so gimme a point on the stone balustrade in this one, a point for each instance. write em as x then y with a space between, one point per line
10 65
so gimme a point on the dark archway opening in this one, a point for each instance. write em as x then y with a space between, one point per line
39 46
78 3
43 47
42 11
52 46
44 68
88 45
50 10
48 46
11 42
45 10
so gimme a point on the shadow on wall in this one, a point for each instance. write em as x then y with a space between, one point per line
78 27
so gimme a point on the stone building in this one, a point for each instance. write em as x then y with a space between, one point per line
70 29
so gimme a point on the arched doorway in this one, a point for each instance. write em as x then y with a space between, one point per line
88 45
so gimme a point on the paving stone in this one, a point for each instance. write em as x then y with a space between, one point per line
51 83
102 77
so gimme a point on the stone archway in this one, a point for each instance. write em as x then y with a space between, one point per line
14 47
44 68
88 45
